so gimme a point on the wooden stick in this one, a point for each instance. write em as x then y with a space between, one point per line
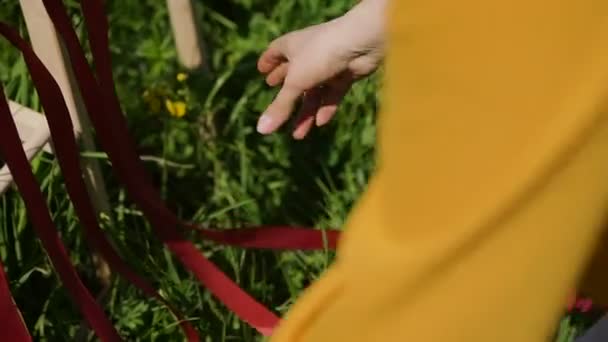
47 45
186 34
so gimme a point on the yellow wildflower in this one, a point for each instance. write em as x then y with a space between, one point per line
176 108
181 77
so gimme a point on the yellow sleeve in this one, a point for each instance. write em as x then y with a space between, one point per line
492 179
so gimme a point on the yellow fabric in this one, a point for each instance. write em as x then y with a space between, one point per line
492 182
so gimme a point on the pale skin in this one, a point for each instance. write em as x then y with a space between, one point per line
319 64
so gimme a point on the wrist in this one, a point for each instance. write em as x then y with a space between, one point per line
364 26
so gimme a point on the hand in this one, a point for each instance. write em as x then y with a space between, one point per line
320 63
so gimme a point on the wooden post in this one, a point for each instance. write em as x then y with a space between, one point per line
186 34
47 45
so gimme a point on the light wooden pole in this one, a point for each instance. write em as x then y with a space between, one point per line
187 38
47 45
49 49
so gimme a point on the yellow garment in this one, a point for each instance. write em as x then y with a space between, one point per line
492 183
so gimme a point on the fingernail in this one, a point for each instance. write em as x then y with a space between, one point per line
319 122
325 114
322 120
264 124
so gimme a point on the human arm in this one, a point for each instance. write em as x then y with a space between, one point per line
320 63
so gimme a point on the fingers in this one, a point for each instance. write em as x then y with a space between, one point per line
319 106
274 63
325 114
304 127
306 115
269 60
331 100
277 76
279 110
272 57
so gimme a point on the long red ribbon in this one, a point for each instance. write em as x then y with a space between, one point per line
13 327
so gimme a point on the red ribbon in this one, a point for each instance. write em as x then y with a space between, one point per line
13 327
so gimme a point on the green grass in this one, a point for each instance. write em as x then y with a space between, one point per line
221 173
